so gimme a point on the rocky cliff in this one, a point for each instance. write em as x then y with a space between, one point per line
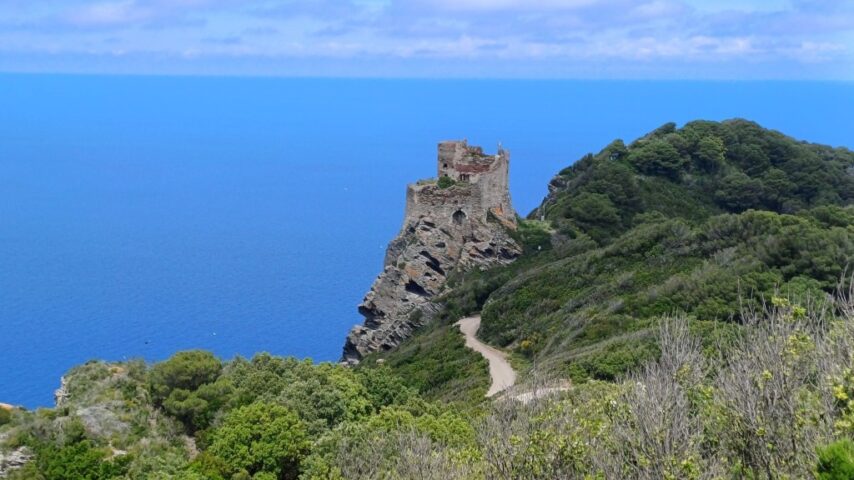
458 222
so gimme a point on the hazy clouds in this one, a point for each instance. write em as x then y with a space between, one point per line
504 38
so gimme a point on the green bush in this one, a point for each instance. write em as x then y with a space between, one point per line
836 461
445 182
80 460
262 437
658 157
185 370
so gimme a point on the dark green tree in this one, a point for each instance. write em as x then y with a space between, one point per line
617 150
595 214
658 157
750 157
262 437
738 192
185 370
710 154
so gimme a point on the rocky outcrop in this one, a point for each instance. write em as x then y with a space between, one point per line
60 395
14 460
460 223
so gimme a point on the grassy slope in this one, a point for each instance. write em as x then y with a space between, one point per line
438 364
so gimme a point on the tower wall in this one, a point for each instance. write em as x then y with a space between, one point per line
482 186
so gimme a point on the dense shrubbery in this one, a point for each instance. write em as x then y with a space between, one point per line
682 220
565 305
772 401
260 418
261 437
696 171
438 365
765 405
78 460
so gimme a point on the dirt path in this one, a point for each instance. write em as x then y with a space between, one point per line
503 375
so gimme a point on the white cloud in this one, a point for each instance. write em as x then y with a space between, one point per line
107 14
498 5
619 33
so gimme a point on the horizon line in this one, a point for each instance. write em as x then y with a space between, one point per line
282 76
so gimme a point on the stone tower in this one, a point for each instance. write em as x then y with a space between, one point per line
448 225
482 185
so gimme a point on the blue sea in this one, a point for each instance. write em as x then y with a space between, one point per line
140 216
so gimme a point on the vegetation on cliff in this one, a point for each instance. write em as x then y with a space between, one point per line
693 221
773 401
687 283
195 417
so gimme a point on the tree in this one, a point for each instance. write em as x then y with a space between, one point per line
750 157
262 437
617 150
666 129
596 214
657 157
185 370
777 187
738 192
710 154
196 409
325 395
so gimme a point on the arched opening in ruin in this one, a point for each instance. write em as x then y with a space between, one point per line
459 217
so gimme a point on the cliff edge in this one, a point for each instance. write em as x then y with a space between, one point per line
459 221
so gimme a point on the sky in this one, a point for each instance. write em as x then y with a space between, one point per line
590 39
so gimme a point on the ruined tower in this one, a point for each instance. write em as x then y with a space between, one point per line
460 220
480 187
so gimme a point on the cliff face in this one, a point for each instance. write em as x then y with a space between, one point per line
460 222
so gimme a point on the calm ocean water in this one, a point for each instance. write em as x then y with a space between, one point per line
142 216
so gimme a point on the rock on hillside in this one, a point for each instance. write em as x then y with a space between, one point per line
459 222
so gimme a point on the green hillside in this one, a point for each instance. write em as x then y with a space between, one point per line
694 220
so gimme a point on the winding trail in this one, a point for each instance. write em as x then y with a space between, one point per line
503 375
